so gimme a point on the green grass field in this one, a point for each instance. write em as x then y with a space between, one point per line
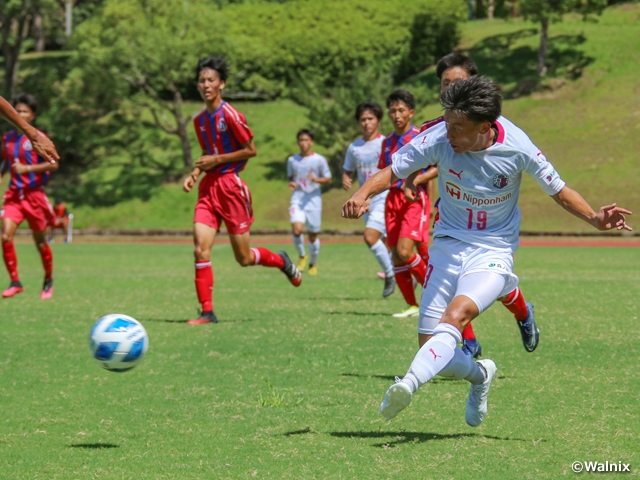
287 385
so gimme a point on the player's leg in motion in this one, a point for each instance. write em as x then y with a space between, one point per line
470 345
298 242
373 239
10 258
408 265
40 238
523 312
314 251
440 355
204 237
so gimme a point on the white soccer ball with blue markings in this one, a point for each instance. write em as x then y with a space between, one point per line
118 342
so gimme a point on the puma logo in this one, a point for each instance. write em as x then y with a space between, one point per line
435 355
459 175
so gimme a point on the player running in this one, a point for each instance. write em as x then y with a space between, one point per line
227 145
307 171
481 157
25 198
450 69
62 220
404 220
363 157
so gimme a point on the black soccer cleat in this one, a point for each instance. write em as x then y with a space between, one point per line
529 330
205 317
290 270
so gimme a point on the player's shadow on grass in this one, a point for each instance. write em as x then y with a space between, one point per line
392 378
95 446
399 438
361 314
169 320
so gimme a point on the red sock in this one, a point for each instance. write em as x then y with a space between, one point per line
10 260
267 258
423 251
405 284
418 268
204 284
515 304
468 334
47 262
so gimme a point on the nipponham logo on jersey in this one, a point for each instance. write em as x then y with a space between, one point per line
222 125
500 181
453 190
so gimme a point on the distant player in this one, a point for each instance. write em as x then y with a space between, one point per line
307 171
450 69
227 145
481 158
25 199
61 221
363 157
405 221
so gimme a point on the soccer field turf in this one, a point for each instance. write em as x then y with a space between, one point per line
288 384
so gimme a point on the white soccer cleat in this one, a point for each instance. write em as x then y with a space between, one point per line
397 398
478 395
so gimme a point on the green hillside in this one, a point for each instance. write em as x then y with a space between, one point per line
585 117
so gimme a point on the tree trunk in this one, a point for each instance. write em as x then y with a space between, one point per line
187 161
491 9
11 52
38 30
544 43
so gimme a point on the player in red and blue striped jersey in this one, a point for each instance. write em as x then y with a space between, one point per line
405 221
25 198
227 145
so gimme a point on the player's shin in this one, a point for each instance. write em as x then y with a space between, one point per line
418 268
267 258
204 284
298 242
516 304
379 250
463 366
47 262
314 251
434 356
10 260
405 284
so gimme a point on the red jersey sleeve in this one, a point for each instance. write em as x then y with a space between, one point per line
237 124
381 163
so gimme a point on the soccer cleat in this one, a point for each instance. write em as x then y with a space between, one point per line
381 275
290 270
47 290
397 398
313 270
472 348
302 263
478 395
205 317
14 289
409 312
389 286
529 330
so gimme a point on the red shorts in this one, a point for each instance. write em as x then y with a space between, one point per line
405 219
224 197
32 205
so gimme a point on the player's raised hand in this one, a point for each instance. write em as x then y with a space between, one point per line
207 162
354 208
612 216
44 147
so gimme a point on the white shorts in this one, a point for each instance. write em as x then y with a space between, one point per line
374 218
449 261
306 209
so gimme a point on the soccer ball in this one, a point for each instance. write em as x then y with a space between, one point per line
118 342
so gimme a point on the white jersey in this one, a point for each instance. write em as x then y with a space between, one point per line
479 190
299 167
364 158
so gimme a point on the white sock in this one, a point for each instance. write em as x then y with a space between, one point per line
299 244
314 250
434 356
463 366
379 250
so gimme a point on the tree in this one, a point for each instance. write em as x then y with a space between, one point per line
15 18
146 51
547 11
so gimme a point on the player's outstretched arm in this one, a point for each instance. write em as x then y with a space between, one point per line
41 144
358 204
607 218
207 162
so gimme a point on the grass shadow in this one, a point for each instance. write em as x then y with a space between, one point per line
95 446
390 378
166 320
416 437
302 431
276 170
361 314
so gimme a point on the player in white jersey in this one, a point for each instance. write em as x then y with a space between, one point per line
481 157
307 171
363 157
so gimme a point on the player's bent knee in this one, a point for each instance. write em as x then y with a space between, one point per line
244 260
7 238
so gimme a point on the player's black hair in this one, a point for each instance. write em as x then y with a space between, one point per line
26 99
304 131
401 96
456 60
219 64
373 107
478 98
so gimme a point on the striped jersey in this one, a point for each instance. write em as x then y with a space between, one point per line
391 144
223 131
479 190
17 147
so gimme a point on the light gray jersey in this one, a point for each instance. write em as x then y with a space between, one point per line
299 167
479 190
364 157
